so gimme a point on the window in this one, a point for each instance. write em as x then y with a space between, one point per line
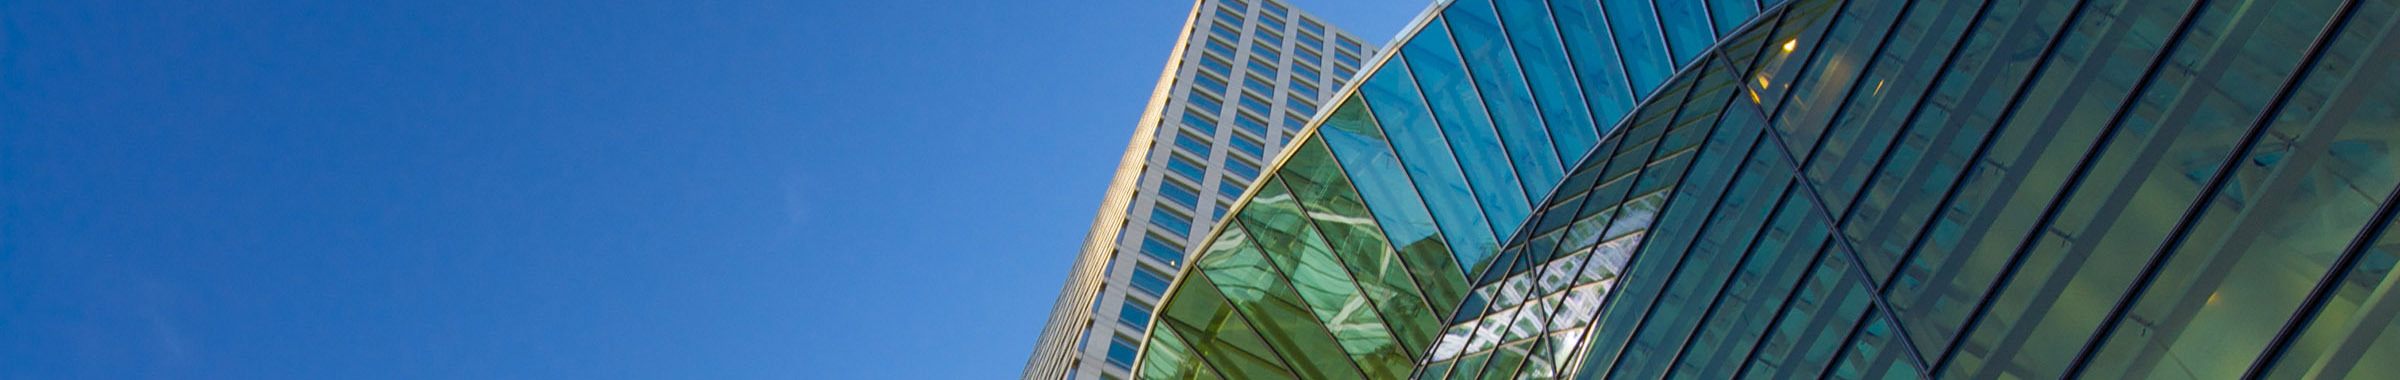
1341 72
1262 67
1251 123
1215 64
1264 51
1310 40
1270 36
1345 58
1190 169
1237 5
1229 16
1239 167
1195 144
1247 145
1159 248
1210 82
1206 102
1224 31
1168 219
1121 352
1312 26
1221 207
1304 89
1177 191
1193 118
1149 281
1293 122
1219 46
1134 315
1271 7
1257 84
1304 71
1229 189
1347 44
1300 105
1270 23
1255 104
1307 55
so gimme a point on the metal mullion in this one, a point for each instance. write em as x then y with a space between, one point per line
1286 279
2314 303
2158 259
1657 19
1362 205
1337 259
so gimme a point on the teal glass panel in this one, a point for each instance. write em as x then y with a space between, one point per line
1875 354
1899 76
1501 83
1706 263
1741 50
1687 28
1780 61
1167 357
1831 72
1410 128
1814 324
1358 143
1442 77
1635 27
1299 252
1534 37
2355 332
1348 228
1730 14
2288 209
1583 29
1255 287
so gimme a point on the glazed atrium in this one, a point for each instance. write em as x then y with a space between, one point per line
1849 189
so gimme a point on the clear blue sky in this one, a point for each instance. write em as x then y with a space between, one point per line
438 189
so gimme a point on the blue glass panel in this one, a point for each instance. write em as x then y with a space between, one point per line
1300 105
1213 45
1402 114
1149 281
1183 195
1134 315
1229 190
1731 14
1531 34
1120 353
1636 28
1595 57
1345 58
1205 102
1687 28
1229 16
1304 55
1162 251
1260 85
1312 27
1215 65
1502 83
1267 37
1275 9
1210 83
1167 220
1193 119
1240 168
1467 128
1267 52
1252 103
1304 90
1305 73
1221 31
1262 68
1245 145
1250 123
1186 167
1193 145
1347 44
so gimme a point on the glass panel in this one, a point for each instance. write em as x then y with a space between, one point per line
1903 70
1874 354
1202 315
1687 27
1814 323
1729 14
1358 143
1635 27
1401 113
1169 358
1501 83
1532 35
2355 333
1832 70
1443 78
1345 222
1254 286
1597 68
1300 254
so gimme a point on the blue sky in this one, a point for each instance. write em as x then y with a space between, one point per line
416 189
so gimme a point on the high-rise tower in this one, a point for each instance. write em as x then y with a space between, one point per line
1245 75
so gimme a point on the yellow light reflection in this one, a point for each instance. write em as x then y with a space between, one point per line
1789 45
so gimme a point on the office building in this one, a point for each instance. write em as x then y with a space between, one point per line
2003 189
1245 75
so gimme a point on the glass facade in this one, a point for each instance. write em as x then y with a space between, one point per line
1999 189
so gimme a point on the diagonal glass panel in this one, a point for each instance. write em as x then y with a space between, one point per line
1167 357
1501 82
1299 253
1535 39
1200 314
1687 27
1400 111
1349 230
1729 14
1635 27
1261 293
1442 76
1584 30
1354 139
